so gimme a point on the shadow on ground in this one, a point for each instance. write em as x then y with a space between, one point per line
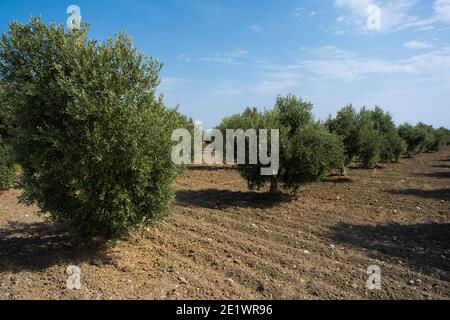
440 194
210 168
37 246
423 247
337 179
443 166
438 175
220 199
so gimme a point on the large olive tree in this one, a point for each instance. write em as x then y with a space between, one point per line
93 139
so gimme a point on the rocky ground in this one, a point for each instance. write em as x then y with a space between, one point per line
224 242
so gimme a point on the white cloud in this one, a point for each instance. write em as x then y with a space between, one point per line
331 51
184 57
395 15
218 59
230 57
237 53
168 83
357 6
442 10
334 63
273 87
432 65
298 12
350 69
256 28
302 12
416 45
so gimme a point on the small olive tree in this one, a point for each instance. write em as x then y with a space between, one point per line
93 140
441 137
345 125
411 136
435 139
369 135
308 151
422 138
446 132
429 138
392 147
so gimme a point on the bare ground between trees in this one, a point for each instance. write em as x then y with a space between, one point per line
224 242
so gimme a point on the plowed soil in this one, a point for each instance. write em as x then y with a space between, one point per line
224 242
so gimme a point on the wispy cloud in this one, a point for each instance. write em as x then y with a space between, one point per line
442 10
169 83
230 57
417 45
273 87
256 28
235 56
335 63
328 63
184 57
302 12
395 15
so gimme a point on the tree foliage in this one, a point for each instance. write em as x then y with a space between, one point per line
369 135
423 138
7 174
391 144
345 124
308 151
93 139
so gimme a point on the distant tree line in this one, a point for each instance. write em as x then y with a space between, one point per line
310 150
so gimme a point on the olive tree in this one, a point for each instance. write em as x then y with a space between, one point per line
411 136
392 147
421 138
442 137
307 150
345 125
369 135
93 138
435 139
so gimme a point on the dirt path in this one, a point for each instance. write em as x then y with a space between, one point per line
225 242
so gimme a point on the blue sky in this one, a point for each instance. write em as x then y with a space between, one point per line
223 55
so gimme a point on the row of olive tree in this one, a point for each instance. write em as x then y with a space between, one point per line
310 150
372 137
423 138
307 151
369 135
87 128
